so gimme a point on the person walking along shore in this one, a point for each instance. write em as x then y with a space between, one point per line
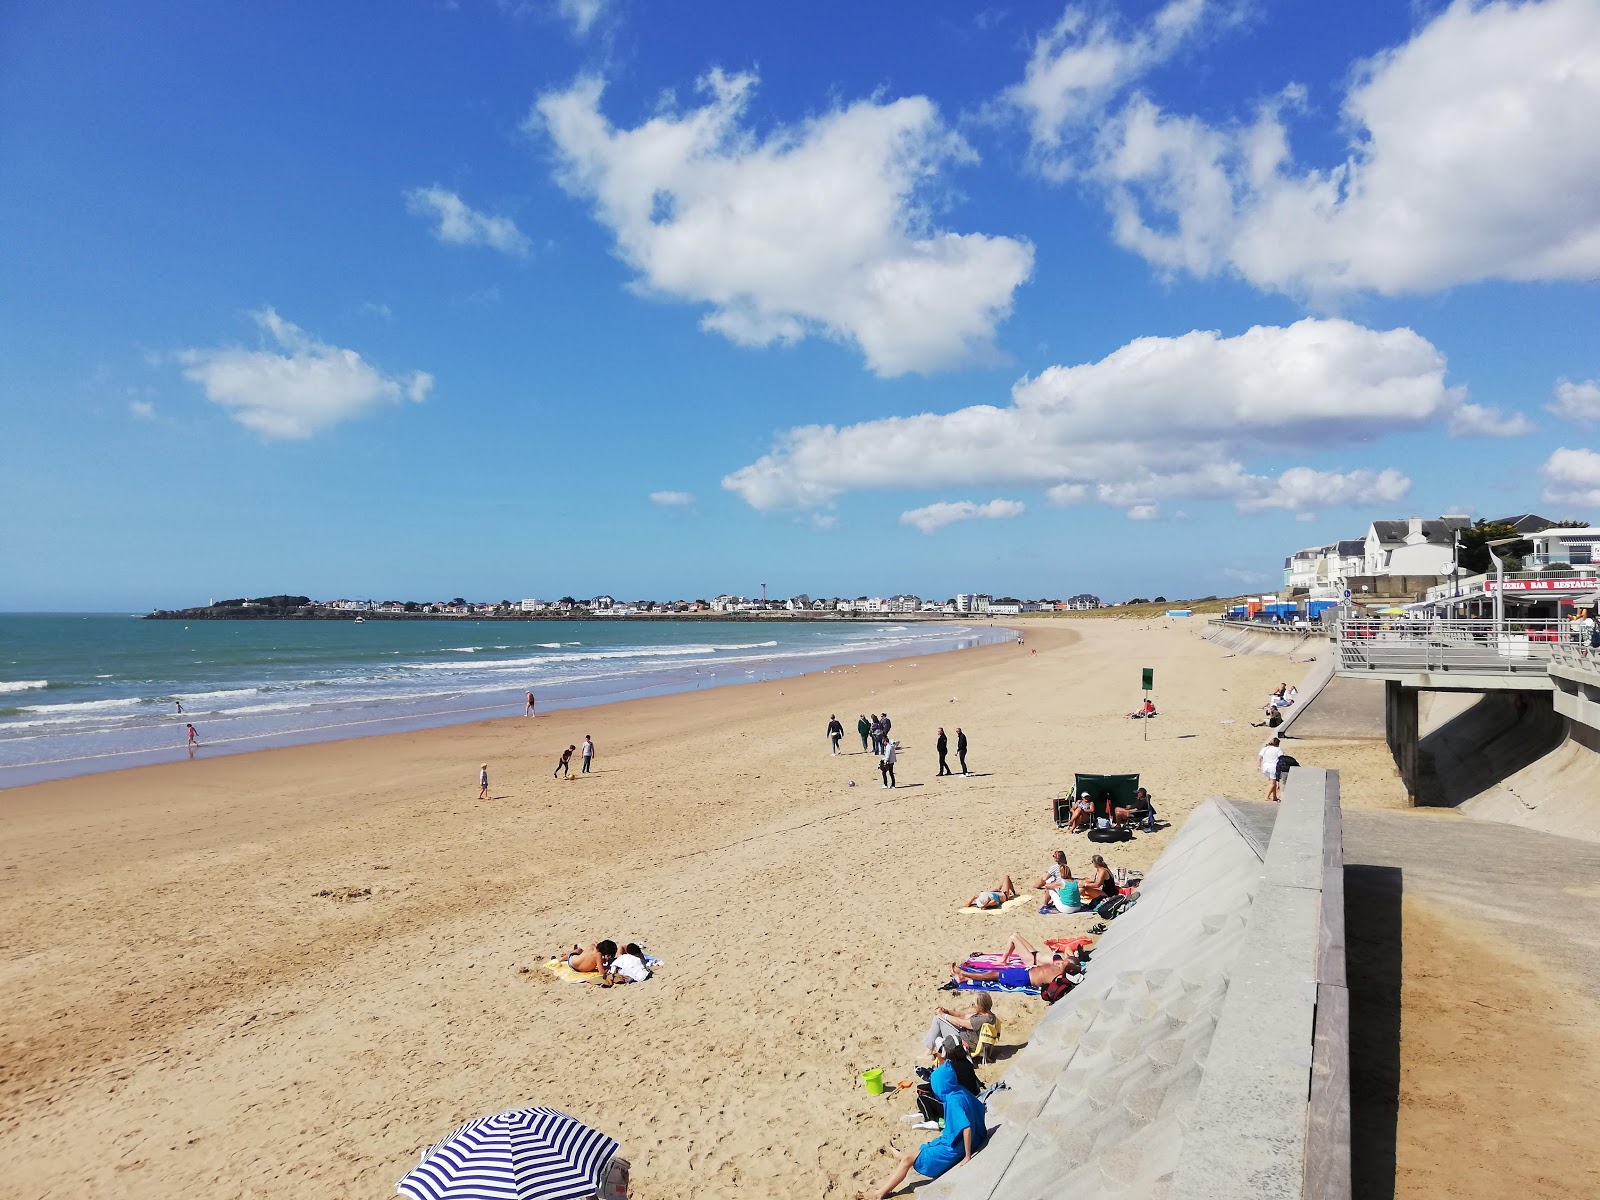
835 733
942 745
961 749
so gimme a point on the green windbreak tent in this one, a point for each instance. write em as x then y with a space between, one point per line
1121 788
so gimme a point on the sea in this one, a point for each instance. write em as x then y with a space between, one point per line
86 692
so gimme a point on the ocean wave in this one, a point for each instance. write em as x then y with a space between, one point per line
24 685
539 660
542 646
459 649
747 646
84 706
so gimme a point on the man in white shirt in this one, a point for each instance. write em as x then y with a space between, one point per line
629 966
588 752
1268 761
886 763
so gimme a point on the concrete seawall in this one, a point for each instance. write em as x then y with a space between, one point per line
1280 640
1205 1055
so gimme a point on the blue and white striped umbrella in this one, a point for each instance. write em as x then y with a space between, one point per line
519 1154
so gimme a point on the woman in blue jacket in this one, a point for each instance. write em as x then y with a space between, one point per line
964 1133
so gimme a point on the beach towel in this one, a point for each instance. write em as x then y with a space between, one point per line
1049 910
984 985
1068 945
1009 904
560 970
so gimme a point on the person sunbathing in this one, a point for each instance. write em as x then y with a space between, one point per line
1066 896
1101 884
591 959
1144 711
1006 891
964 1026
1057 871
1082 814
1029 972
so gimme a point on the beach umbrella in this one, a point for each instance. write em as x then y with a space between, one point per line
519 1154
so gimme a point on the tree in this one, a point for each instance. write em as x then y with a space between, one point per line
413 606
1159 600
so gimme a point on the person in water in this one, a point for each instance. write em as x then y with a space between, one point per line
964 1135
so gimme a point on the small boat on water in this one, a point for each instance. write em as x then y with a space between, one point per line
361 620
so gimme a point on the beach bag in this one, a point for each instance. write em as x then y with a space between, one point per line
1112 907
1055 989
1286 761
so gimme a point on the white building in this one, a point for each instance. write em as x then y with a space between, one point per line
1083 602
534 606
800 603
1579 548
904 603
602 604
1412 546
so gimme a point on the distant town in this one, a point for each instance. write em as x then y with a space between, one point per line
966 604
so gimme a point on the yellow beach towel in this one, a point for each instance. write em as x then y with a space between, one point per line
1006 907
560 970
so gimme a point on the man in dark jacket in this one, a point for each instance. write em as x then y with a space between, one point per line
942 745
961 749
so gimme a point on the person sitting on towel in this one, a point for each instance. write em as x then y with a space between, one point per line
964 1135
1082 814
1006 891
1147 709
1101 884
1066 896
1057 871
627 967
597 957
964 1026
1271 718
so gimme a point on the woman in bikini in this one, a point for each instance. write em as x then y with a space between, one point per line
1101 884
1028 971
1006 891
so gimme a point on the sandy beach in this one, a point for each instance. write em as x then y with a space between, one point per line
194 1007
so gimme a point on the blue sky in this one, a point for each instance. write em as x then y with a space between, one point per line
415 299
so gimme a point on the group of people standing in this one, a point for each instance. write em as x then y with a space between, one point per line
875 739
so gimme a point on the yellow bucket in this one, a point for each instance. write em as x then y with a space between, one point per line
874 1081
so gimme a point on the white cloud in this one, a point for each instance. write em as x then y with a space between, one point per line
582 14
459 224
1300 488
1482 420
1145 512
142 409
1577 401
936 516
1064 494
1471 157
1081 64
298 389
671 499
1572 477
824 227
1305 516
1159 418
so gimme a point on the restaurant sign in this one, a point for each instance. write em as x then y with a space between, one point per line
1565 583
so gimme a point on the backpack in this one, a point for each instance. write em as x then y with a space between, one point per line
1112 907
1286 761
1055 989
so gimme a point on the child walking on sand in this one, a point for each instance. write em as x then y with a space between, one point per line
483 782
564 767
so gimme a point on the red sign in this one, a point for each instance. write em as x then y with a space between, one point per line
1566 584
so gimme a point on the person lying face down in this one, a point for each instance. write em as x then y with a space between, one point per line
597 957
994 899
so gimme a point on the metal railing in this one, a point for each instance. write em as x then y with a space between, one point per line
1577 655
1520 647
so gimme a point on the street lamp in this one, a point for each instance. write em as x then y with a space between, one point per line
1499 585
